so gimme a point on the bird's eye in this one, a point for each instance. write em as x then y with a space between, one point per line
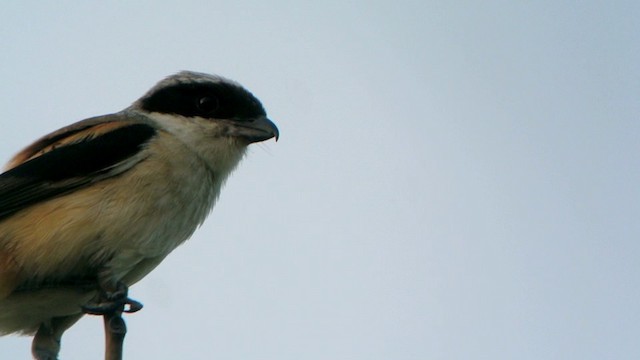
207 104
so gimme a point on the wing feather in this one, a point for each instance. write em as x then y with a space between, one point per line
71 158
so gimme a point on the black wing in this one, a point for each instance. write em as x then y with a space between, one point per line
95 152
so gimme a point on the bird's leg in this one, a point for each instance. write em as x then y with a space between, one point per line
46 342
112 301
45 345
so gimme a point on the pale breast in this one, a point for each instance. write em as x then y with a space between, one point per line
143 213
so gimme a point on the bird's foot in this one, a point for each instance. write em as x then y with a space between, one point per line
112 302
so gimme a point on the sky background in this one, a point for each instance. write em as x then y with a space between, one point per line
454 180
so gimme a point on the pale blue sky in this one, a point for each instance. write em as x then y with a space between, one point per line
454 180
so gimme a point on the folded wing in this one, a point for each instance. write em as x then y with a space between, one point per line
71 158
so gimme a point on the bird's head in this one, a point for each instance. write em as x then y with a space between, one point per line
211 99
215 116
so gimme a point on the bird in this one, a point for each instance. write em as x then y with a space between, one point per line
90 209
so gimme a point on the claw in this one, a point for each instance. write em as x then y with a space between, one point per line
111 302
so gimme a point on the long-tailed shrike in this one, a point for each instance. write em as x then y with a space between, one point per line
92 208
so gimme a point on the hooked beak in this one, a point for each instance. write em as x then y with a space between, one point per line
255 130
